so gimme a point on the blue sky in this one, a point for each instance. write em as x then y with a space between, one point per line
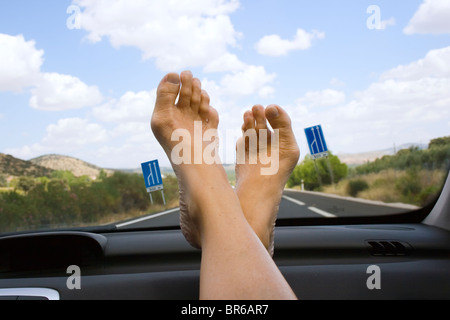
88 91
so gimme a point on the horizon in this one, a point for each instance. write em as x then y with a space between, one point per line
401 147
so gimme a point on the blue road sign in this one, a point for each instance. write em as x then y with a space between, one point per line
152 176
316 142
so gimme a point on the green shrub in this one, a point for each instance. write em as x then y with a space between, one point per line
317 173
65 200
356 186
25 184
3 181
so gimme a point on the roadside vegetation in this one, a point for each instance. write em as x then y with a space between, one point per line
411 176
58 199
315 174
63 200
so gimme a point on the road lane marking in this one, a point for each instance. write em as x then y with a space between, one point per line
147 218
313 209
294 200
360 200
322 213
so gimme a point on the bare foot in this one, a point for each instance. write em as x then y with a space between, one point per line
191 114
234 265
259 194
259 182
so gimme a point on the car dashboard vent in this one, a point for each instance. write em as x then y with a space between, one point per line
388 248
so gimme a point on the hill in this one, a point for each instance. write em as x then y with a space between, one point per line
11 166
353 159
168 171
65 163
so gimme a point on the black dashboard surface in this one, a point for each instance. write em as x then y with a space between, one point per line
319 262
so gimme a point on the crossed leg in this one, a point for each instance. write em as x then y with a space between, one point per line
235 263
260 194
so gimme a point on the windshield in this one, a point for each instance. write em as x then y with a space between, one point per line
366 86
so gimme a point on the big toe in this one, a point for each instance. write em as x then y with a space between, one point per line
280 120
168 91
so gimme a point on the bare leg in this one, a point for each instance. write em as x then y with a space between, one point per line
235 264
260 204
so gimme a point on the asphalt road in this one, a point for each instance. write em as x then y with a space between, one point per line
294 204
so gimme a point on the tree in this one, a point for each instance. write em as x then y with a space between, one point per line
3 181
439 142
102 175
26 184
65 175
316 173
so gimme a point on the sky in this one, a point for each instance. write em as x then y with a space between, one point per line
79 77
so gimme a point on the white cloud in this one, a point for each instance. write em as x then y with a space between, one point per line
67 136
227 62
251 80
335 82
131 135
72 132
136 132
432 17
404 102
274 45
130 107
20 63
56 92
27 152
415 92
266 92
177 34
407 104
435 64
227 93
323 98
130 155
20 68
394 111
131 115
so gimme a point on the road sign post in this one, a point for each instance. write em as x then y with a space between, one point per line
316 142
153 178
318 148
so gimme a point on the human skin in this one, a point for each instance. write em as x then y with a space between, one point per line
235 264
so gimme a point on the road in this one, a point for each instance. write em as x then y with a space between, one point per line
295 204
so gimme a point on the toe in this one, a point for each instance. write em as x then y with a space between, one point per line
204 105
196 97
249 121
186 89
213 118
260 117
278 118
167 92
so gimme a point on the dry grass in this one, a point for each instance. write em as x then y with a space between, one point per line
117 217
383 185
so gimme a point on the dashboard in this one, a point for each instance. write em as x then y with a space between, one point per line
385 261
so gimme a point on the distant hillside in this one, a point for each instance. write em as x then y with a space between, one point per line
76 166
168 171
11 166
363 157
165 171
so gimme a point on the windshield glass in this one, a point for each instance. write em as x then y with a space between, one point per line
366 86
